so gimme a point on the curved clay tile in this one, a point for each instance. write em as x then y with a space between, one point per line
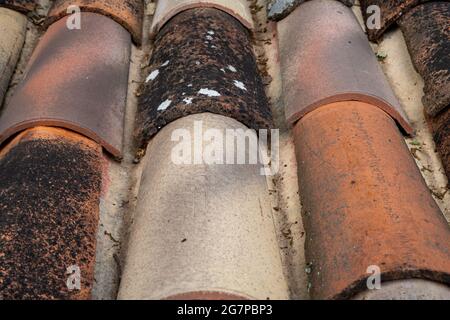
13 27
203 61
201 230
390 12
325 57
167 9
365 203
129 13
49 199
426 29
76 80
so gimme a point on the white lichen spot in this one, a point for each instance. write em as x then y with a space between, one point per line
165 64
223 70
214 47
211 32
240 85
152 76
209 93
209 38
232 69
190 85
187 100
163 106
197 63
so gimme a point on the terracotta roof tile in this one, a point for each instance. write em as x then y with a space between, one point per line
49 198
158 229
365 203
128 13
207 57
320 72
390 12
72 80
427 33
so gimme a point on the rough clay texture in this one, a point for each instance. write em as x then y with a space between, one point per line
279 9
316 73
352 162
207 58
12 36
76 80
390 12
128 13
167 9
427 33
426 29
201 227
49 201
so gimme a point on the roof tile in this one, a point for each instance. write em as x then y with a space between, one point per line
426 29
77 80
390 12
365 203
207 58
320 72
427 33
128 13
49 200
13 28
202 229
167 9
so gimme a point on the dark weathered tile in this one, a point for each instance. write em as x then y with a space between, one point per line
203 61
49 205
390 12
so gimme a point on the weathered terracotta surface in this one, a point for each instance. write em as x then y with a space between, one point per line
203 61
24 6
49 204
13 26
426 29
390 12
76 79
341 66
365 203
201 230
129 13
167 9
